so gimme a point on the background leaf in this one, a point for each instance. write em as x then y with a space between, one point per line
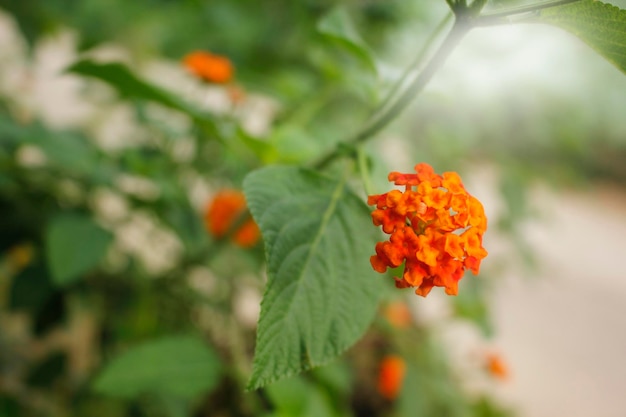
178 366
69 152
31 288
322 292
345 56
128 85
297 397
74 245
602 26
338 26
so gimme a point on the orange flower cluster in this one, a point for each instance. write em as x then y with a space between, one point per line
391 376
209 67
436 230
225 209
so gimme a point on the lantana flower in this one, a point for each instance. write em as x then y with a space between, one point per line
436 230
391 376
225 209
209 67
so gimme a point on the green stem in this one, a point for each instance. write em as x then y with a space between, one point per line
364 170
386 115
410 70
500 17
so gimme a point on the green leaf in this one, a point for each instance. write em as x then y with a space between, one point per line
47 371
31 288
129 86
294 143
262 149
321 293
69 152
74 245
297 397
337 26
177 366
602 26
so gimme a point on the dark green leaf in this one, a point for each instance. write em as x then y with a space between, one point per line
128 85
74 245
33 21
51 314
602 26
322 292
31 288
176 366
48 370
9 406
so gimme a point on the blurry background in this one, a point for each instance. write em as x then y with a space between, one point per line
530 116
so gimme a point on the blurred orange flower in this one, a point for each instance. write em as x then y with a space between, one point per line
391 376
436 229
209 67
397 314
225 208
497 367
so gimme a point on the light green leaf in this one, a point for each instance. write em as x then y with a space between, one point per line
322 292
338 26
293 143
69 152
602 26
262 149
177 366
74 245
297 397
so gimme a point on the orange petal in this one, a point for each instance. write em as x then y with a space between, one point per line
454 246
378 264
452 182
424 289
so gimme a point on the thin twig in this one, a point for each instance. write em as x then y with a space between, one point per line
500 16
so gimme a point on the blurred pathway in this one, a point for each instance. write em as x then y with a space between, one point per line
563 331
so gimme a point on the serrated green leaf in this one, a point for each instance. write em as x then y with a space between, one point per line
337 26
177 366
322 292
602 26
74 245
